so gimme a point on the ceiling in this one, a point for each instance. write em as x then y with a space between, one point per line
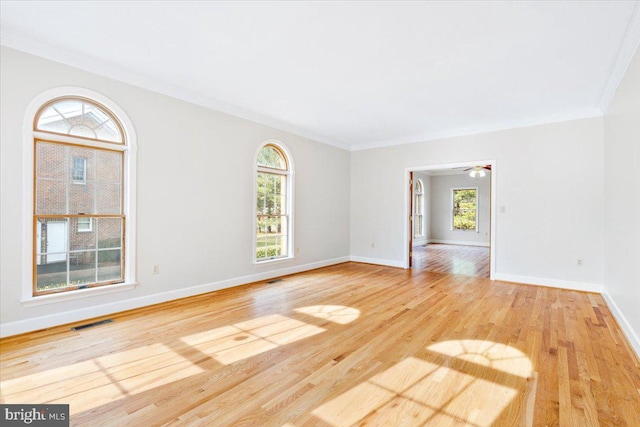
352 74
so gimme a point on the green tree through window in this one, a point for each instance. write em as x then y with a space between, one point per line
272 207
464 208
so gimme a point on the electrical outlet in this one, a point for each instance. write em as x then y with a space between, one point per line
297 251
580 262
373 245
156 269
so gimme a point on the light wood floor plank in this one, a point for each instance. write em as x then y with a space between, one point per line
351 344
452 259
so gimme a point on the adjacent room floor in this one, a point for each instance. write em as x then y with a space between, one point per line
452 259
345 345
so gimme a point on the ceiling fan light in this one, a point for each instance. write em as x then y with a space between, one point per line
472 174
482 174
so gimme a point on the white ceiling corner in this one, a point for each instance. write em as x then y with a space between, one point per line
627 49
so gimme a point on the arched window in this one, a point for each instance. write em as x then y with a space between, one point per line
274 180
81 197
418 209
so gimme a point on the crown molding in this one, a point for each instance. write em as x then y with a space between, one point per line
623 58
476 130
109 70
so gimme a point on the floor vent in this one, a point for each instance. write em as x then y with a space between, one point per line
91 325
274 281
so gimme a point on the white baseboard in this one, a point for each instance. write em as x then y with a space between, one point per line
419 242
631 335
459 242
34 324
387 262
552 283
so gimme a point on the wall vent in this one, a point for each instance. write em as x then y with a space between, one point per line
274 281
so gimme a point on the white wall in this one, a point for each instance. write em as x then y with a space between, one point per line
549 182
441 209
195 195
622 202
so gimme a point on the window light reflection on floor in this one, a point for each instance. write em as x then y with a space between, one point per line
461 381
102 380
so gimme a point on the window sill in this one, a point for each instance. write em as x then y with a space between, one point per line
72 295
273 261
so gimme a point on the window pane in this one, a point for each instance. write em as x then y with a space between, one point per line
50 161
79 118
109 265
271 239
51 197
50 120
109 166
271 194
82 266
51 276
82 198
464 209
109 233
109 201
51 240
81 163
271 157
82 234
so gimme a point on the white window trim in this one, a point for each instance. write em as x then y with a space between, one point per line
452 228
129 196
290 204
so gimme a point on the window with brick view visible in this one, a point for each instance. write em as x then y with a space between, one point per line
78 229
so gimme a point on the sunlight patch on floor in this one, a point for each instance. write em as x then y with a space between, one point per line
334 313
487 353
229 344
462 382
92 383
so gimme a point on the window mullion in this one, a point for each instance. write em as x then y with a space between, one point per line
68 249
95 239
95 183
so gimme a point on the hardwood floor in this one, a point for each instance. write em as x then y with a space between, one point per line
452 259
351 344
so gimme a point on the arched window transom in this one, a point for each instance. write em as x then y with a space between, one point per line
80 118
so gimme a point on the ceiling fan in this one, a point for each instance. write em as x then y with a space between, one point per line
477 170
